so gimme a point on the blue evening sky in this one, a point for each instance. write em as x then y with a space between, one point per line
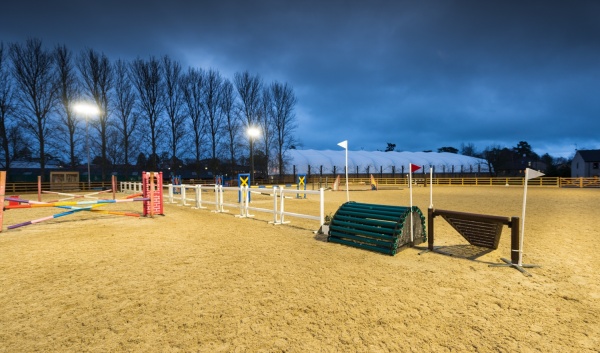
419 74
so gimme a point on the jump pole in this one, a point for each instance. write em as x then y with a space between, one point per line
48 217
92 209
73 196
27 204
152 194
39 188
2 191
114 186
71 206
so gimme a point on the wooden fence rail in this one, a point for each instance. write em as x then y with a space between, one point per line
475 181
28 187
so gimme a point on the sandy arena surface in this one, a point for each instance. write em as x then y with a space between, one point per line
197 281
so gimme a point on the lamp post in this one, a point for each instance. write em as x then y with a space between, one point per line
87 109
253 133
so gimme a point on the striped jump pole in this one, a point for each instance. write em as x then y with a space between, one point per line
39 220
117 213
73 209
74 196
28 204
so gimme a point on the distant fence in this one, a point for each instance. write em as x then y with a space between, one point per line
27 187
472 181
316 182
577 182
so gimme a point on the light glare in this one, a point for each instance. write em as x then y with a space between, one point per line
86 108
253 132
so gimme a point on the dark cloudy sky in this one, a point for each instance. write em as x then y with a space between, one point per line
420 74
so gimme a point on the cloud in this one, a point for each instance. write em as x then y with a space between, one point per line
421 74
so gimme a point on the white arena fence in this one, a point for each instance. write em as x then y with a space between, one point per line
239 198
130 186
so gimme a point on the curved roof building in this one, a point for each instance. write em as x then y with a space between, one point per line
376 161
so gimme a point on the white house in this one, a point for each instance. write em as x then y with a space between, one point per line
586 164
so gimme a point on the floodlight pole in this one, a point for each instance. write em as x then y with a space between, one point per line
253 133
87 109
87 146
252 158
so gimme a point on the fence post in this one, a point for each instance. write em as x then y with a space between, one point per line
514 240
275 189
218 201
198 192
430 229
182 193
170 193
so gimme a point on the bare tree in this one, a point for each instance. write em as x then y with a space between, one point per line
468 149
249 89
232 122
174 103
211 109
126 119
148 80
67 92
114 150
37 92
283 102
7 109
97 75
265 121
193 88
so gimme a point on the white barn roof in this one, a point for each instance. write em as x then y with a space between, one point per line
377 161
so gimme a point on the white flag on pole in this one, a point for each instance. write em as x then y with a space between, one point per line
344 145
530 173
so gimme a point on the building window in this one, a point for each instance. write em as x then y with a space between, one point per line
595 165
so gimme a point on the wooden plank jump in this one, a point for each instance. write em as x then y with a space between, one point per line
478 229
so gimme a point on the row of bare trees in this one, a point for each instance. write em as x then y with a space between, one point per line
148 107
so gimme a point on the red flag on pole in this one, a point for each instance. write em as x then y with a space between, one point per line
414 168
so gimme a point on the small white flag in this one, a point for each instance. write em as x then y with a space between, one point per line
530 173
343 144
